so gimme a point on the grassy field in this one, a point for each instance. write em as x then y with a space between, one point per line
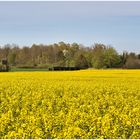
77 104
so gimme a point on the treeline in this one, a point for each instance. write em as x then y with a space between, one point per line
69 55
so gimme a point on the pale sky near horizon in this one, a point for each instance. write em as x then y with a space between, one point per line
46 22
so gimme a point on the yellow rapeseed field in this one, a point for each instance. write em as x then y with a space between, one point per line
74 104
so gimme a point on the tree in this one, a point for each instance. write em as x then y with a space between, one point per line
105 56
81 62
123 59
24 56
35 54
98 56
111 58
6 51
65 54
132 61
138 56
12 58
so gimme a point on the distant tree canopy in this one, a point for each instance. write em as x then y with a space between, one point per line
65 54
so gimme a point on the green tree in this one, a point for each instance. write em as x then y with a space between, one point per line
81 62
98 56
12 58
111 58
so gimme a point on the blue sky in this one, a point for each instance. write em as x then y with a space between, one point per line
111 23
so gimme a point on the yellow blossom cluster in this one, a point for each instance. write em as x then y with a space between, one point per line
75 104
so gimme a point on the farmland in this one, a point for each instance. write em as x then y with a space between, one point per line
77 104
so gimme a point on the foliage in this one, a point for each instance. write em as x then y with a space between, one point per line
132 62
82 104
105 57
64 54
81 62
